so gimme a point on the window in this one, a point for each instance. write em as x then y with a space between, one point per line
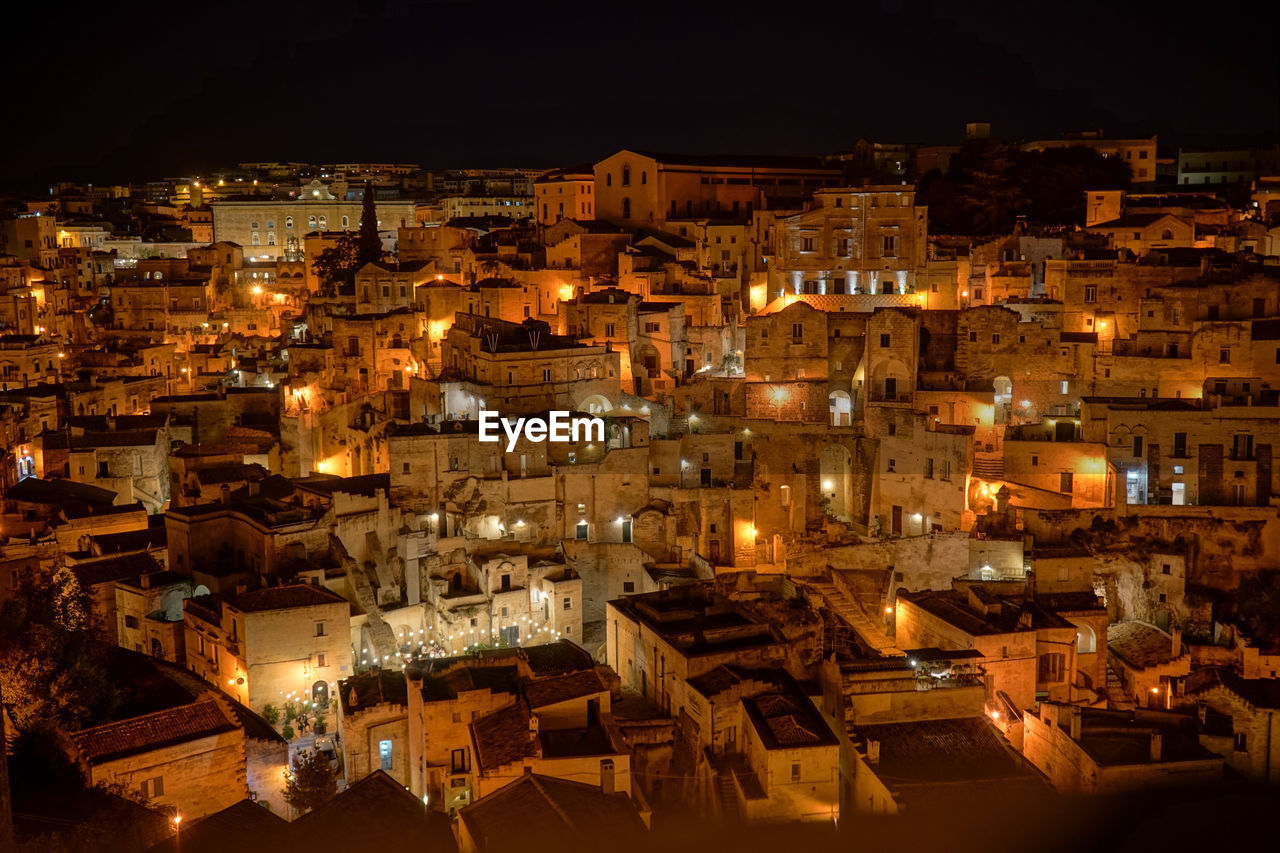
153 787
1241 742
546 374
1166 569
884 340
1224 356
892 463
795 772
1091 293
973 337
1052 666
1035 460
1066 386
568 602
806 244
889 246
797 333
995 337
628 586
928 467
460 761
1137 445
626 176
321 659
581 530
609 330
1064 482
319 629
384 755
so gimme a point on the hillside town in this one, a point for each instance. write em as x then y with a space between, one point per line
379 506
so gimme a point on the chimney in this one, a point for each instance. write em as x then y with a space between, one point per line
144 580
1076 723
1156 746
873 752
606 777
1176 633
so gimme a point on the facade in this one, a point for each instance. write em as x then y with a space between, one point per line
268 647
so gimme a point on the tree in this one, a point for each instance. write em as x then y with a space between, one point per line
71 605
338 264
50 665
271 714
312 783
369 244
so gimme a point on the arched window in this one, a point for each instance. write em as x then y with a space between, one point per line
1166 234
271 238
254 240
311 222
346 222
288 222
324 222
626 176
626 208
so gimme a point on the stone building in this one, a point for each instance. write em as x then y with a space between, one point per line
1097 751
865 240
646 188
189 759
271 646
565 194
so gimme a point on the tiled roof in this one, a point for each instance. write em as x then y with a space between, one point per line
787 719
285 597
1140 645
541 810
559 688
110 741
503 737
245 826
115 568
376 813
933 751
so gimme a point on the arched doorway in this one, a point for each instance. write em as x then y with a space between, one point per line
320 694
835 472
841 407
596 404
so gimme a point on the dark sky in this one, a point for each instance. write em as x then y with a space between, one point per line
149 89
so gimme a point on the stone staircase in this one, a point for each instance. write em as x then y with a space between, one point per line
744 475
679 425
381 637
988 466
727 797
871 633
1117 697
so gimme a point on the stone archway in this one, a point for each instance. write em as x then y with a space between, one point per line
840 405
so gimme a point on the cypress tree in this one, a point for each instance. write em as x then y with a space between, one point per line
369 244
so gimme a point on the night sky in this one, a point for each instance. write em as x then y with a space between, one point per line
146 90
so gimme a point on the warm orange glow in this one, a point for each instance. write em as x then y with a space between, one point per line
566 292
